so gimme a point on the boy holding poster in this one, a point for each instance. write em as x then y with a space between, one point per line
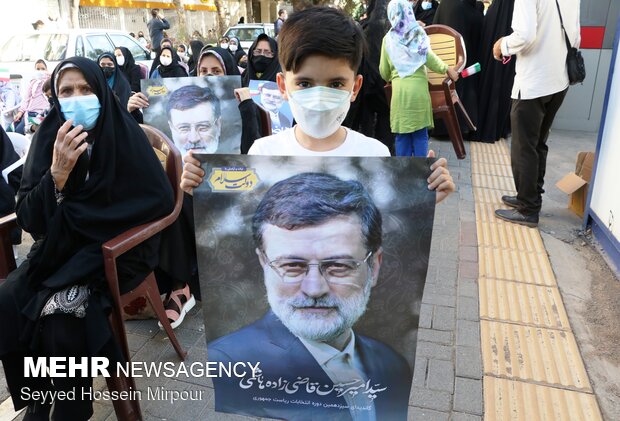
320 50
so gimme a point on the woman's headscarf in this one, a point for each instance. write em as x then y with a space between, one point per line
237 55
406 43
272 69
130 69
174 69
196 47
223 56
119 185
120 86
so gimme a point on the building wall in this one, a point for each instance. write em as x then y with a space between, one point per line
583 105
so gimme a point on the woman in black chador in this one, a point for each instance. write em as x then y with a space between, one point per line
81 187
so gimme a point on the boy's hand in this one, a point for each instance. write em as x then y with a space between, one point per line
137 100
242 94
452 74
497 49
440 179
192 174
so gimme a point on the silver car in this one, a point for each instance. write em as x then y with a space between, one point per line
20 52
248 32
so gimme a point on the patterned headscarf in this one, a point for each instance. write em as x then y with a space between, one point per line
407 44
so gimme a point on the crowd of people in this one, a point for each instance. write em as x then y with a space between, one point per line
90 175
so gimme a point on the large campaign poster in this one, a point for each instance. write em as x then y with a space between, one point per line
314 268
267 94
197 113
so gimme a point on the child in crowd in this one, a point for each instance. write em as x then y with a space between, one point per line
34 102
404 54
320 50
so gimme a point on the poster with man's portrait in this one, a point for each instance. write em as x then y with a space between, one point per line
197 113
267 94
313 268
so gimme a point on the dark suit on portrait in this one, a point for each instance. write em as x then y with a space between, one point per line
281 354
282 123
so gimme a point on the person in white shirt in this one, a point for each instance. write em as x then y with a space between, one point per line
320 82
540 85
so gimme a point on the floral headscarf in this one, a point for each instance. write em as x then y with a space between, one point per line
407 44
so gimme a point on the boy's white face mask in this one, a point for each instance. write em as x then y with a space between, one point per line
319 111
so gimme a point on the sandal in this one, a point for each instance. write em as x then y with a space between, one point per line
178 304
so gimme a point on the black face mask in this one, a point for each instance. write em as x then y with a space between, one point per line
261 63
108 72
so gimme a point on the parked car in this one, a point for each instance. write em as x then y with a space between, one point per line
21 51
247 32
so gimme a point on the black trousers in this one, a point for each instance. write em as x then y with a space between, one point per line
531 120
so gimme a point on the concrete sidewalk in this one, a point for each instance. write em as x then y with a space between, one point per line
448 378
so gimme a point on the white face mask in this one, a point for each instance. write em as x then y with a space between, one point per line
120 60
165 61
319 111
224 45
233 47
426 5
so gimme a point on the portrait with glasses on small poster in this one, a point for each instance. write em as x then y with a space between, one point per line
267 94
197 113
314 268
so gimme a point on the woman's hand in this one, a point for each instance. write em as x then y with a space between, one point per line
453 74
68 147
192 174
18 116
137 100
242 94
440 179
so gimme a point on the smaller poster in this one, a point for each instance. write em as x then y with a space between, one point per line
197 113
267 94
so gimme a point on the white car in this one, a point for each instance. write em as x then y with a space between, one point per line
248 32
20 52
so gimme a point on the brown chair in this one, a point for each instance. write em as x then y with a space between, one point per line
265 121
7 258
114 248
449 46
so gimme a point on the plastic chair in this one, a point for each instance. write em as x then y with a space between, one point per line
21 144
7 258
449 46
114 248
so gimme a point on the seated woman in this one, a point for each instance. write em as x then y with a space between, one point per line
262 60
83 184
169 65
127 65
115 78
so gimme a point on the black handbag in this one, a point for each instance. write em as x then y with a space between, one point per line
574 61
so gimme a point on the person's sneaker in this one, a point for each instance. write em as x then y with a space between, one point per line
513 215
510 201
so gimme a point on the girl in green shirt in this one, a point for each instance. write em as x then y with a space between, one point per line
404 54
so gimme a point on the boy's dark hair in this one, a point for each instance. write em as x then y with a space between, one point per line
310 199
191 96
320 31
281 12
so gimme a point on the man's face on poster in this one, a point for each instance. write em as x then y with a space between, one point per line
325 302
195 128
271 99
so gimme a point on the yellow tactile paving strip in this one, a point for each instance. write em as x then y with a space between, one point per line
532 366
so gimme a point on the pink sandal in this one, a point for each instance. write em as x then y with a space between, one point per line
178 304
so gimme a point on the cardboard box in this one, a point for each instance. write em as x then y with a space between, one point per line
576 183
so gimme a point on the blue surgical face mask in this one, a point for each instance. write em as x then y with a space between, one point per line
82 109
426 5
